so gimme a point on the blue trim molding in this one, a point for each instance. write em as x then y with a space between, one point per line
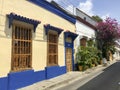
50 27
53 9
13 16
70 34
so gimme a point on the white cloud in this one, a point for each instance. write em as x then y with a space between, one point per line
86 7
70 8
49 0
105 16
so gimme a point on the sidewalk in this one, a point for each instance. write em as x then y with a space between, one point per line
64 79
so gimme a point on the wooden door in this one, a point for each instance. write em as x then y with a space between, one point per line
69 59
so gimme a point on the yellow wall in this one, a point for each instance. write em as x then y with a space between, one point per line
39 54
5 48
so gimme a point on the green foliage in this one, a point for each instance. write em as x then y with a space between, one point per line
90 43
113 49
99 54
108 47
86 56
97 18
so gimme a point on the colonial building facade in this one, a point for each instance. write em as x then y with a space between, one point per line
37 42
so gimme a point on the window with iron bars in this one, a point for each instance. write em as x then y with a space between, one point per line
21 48
52 49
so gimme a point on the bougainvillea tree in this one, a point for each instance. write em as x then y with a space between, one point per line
108 32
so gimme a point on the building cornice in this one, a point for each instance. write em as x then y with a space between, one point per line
50 7
86 23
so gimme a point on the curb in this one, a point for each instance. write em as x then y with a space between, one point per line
83 74
71 77
61 83
70 80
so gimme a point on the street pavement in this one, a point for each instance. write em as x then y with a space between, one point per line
77 80
107 79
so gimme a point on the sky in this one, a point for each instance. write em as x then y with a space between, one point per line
102 8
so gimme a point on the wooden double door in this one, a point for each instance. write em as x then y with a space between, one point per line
69 59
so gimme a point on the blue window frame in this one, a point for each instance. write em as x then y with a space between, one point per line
52 44
53 28
70 34
13 16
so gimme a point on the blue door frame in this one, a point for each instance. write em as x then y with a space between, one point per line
70 45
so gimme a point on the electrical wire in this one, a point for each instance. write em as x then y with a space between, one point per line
66 5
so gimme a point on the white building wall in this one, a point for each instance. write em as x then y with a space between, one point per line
83 30
83 15
117 54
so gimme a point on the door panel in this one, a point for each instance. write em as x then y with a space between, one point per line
69 59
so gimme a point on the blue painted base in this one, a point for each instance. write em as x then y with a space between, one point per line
4 83
54 71
21 79
39 76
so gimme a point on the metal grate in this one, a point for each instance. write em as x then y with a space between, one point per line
52 49
21 48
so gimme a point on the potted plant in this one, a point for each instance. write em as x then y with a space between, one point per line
81 65
83 60
87 57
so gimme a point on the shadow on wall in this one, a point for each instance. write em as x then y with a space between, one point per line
5 28
8 29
